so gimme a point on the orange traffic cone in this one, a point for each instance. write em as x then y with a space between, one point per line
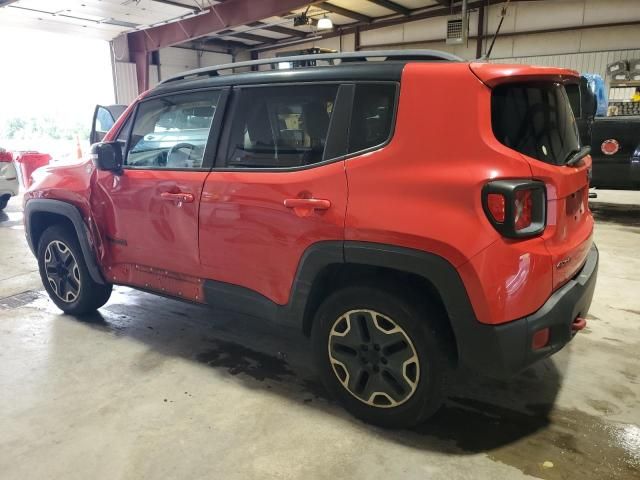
78 148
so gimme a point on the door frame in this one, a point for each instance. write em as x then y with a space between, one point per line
213 139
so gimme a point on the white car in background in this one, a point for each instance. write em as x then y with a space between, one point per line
9 185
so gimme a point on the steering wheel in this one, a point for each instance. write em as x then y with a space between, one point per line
179 146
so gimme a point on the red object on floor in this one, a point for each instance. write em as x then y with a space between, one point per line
28 163
578 324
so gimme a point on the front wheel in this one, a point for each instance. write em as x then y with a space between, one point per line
381 355
65 275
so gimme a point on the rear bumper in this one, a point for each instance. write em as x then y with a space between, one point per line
503 350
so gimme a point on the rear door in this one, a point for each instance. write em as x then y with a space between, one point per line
279 185
535 118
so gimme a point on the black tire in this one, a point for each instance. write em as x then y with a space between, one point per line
417 319
83 295
4 201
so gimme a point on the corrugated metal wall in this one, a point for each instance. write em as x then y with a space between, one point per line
126 84
593 62
172 62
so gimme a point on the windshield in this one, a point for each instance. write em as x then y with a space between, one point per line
536 120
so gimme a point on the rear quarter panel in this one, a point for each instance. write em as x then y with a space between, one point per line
423 191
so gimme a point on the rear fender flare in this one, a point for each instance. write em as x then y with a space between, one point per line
435 269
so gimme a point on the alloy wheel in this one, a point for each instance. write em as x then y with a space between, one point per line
373 358
62 271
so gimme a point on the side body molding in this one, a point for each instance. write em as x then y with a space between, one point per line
439 272
243 300
64 209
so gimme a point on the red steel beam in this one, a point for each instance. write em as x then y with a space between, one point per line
231 13
221 16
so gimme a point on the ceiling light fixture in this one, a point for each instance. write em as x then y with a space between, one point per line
325 23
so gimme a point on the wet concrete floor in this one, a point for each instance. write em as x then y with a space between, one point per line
154 388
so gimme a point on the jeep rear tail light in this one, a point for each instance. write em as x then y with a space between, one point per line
496 206
516 208
523 209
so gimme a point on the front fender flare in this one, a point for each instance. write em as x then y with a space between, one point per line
64 209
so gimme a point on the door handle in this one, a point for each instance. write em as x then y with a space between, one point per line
178 197
310 203
304 207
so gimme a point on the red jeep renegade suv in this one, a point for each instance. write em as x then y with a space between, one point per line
408 211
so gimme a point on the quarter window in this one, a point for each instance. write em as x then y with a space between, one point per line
372 118
281 127
171 132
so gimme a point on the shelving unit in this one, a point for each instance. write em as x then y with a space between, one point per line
620 94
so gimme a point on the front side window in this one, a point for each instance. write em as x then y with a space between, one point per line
281 127
372 118
104 120
171 132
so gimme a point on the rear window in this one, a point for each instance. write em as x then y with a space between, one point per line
535 119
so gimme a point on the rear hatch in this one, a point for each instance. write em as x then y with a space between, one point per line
531 114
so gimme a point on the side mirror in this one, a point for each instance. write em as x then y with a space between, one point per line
107 156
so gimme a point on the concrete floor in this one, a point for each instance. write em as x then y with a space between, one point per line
153 388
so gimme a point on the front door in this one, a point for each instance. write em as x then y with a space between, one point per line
279 186
151 210
104 117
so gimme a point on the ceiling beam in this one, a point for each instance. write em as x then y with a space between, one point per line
290 32
344 12
247 36
232 13
223 43
393 6
215 46
445 3
179 4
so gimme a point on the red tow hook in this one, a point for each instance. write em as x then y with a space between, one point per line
578 324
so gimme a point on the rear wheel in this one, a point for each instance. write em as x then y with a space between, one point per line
65 275
381 355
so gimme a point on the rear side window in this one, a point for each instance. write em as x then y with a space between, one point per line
535 119
372 117
281 127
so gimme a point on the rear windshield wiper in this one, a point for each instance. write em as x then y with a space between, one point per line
575 157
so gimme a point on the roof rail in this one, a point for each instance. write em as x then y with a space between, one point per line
361 56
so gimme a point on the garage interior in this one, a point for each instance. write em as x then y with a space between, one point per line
150 387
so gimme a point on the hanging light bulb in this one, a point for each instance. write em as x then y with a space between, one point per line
325 23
